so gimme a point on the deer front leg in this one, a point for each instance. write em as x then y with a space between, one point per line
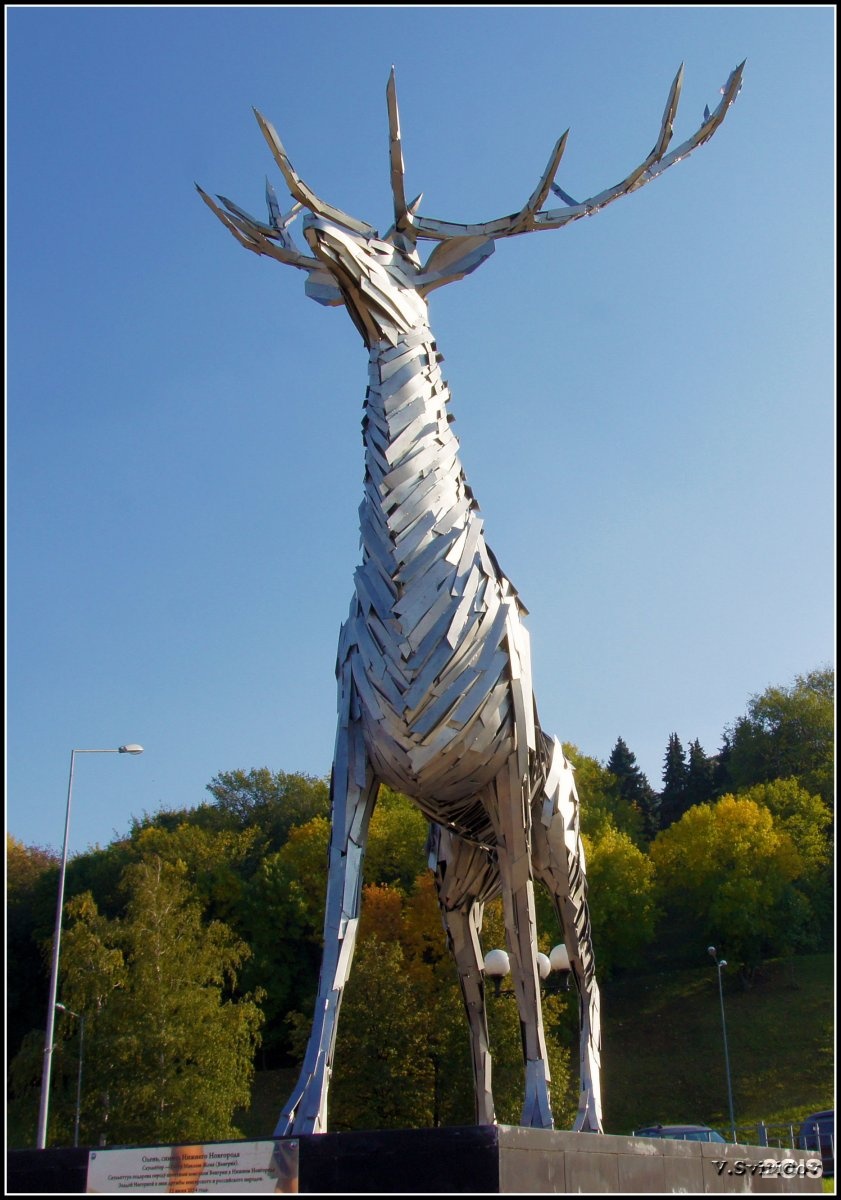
465 877
353 791
513 850
559 861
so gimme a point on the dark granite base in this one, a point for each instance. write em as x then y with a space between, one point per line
52 1171
401 1160
479 1159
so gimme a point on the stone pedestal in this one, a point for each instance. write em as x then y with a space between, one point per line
488 1160
511 1159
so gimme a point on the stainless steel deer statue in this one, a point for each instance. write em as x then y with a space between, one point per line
434 671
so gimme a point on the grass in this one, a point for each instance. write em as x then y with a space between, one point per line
663 1048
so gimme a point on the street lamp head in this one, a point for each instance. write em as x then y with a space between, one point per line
723 962
711 951
559 958
132 748
496 964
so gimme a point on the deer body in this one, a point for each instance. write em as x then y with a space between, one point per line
434 667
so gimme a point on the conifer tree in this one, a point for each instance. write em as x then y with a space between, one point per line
700 776
674 798
634 786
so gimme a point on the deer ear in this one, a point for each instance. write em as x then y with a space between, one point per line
321 288
453 259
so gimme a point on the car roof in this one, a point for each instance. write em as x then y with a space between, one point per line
658 1126
681 1127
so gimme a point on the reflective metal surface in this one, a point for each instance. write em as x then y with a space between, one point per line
434 667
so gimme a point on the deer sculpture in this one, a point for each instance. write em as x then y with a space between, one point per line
434 670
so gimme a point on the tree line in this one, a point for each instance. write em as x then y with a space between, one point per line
192 945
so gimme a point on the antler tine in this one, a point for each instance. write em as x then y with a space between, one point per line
246 220
299 189
629 183
646 172
253 235
654 164
729 93
536 200
667 124
281 223
395 150
521 222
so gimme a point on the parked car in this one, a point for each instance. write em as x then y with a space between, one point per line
682 1133
818 1133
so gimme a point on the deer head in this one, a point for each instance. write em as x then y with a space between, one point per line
381 280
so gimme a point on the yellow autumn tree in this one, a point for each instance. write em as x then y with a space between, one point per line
622 907
727 871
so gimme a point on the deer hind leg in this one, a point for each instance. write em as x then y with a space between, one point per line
353 790
466 877
559 862
511 807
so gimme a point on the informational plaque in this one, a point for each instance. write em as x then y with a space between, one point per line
265 1166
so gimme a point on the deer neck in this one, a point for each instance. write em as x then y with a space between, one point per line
415 490
424 643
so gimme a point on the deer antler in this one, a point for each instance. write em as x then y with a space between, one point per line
402 211
260 238
395 151
530 218
297 188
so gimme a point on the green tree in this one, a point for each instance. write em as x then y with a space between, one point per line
634 786
283 908
389 1068
602 804
24 1091
623 913
433 979
282 918
725 872
218 861
700 776
397 834
402 1055
808 822
382 1073
403 1049
722 783
99 870
674 798
25 865
788 733
170 1053
805 818
31 896
273 801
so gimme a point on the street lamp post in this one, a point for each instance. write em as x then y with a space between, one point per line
51 1006
80 1017
720 965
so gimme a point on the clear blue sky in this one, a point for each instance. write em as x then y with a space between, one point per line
644 399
